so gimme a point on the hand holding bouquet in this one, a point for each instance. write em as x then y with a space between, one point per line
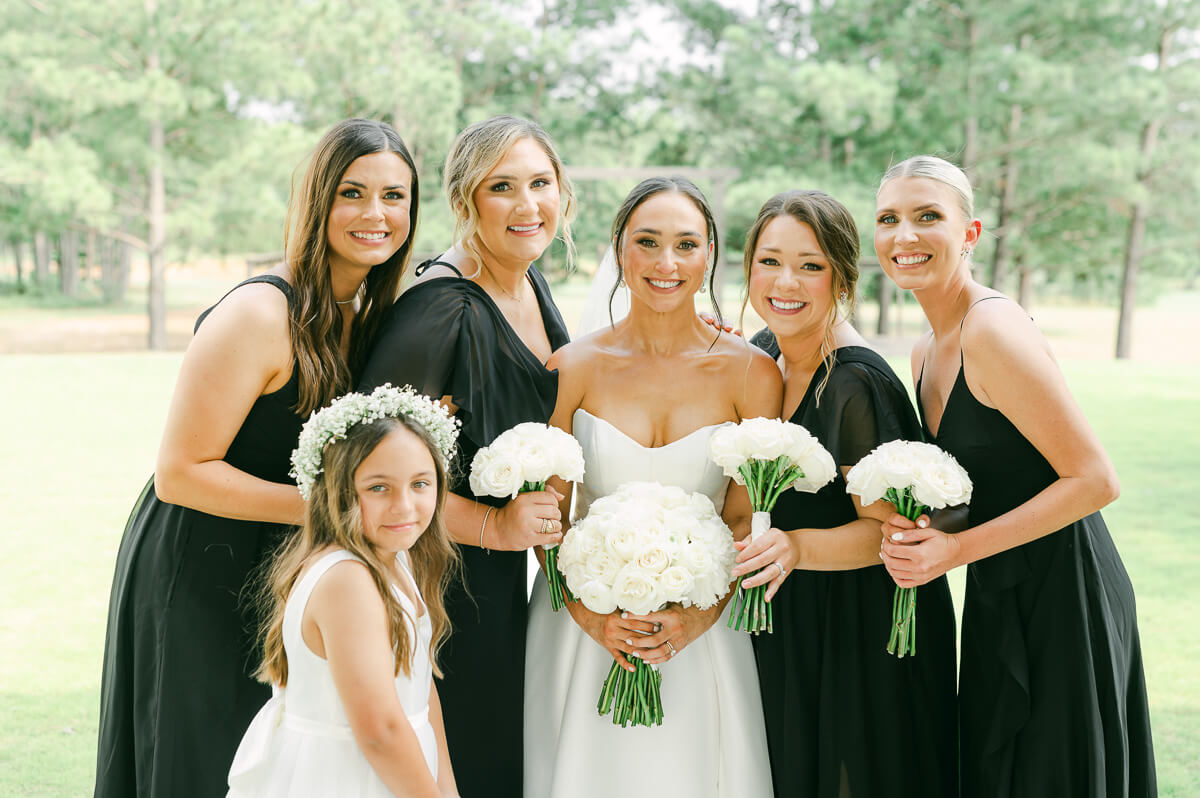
767 456
521 460
915 477
639 548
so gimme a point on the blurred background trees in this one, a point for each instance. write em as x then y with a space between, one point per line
170 130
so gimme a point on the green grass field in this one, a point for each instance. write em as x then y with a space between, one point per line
80 440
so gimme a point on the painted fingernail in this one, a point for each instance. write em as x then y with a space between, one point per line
922 523
629 641
898 536
624 615
881 555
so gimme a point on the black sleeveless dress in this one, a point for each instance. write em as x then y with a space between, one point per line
1052 697
446 337
844 717
176 692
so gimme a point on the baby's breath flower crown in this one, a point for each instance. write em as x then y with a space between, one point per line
331 424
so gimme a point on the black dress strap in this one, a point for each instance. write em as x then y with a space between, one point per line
960 327
429 264
271 279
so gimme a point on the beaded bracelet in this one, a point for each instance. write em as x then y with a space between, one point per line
482 527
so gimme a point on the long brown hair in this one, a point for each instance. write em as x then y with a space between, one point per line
333 518
837 236
315 323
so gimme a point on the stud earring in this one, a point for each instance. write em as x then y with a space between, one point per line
843 295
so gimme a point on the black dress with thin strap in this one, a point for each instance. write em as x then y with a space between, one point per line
446 337
1052 696
844 717
176 691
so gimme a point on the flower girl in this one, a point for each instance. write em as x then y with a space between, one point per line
349 642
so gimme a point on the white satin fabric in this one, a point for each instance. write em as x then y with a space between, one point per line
712 742
300 743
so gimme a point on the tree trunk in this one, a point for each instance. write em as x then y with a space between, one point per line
971 122
1008 200
1137 219
68 262
887 292
41 260
91 268
16 248
1024 286
156 303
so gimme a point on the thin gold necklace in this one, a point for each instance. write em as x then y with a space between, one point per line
503 290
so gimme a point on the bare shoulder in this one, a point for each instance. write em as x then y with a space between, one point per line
999 329
751 375
346 587
255 311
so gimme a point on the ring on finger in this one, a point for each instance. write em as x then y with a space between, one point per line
779 565
547 526
672 647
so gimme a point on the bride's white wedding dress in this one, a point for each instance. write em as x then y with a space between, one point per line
712 742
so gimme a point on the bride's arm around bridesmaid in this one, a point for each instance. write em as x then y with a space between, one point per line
1051 690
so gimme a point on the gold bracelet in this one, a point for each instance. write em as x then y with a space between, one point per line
483 526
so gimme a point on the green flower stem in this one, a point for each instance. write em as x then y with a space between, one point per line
560 594
903 639
632 698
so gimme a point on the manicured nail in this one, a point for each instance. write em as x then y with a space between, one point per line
881 555
898 536
624 615
922 523
628 641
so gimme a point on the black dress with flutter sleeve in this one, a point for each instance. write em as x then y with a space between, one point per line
1052 695
177 691
844 717
446 337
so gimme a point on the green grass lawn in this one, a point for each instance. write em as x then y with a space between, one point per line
80 440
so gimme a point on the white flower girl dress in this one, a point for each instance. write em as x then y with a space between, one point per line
300 743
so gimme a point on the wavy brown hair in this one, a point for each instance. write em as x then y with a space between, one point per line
315 324
837 236
333 518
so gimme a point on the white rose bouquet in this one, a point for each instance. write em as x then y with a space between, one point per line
639 548
520 460
915 477
767 456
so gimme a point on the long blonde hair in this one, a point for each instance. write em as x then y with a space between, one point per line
475 152
837 236
315 324
333 518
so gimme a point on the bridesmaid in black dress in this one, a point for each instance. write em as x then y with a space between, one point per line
176 691
844 718
1052 698
477 329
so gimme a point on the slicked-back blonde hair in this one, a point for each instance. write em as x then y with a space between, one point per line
476 152
941 170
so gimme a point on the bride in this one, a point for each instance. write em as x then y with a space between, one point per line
643 396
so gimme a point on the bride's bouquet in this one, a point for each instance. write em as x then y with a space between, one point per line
639 548
767 456
520 460
915 477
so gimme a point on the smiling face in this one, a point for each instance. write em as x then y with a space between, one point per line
791 279
664 251
518 206
396 485
369 218
921 231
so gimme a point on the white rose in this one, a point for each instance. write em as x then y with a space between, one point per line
818 468
596 596
653 559
677 583
537 462
602 566
867 480
696 557
622 541
762 438
636 591
942 484
495 475
723 449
